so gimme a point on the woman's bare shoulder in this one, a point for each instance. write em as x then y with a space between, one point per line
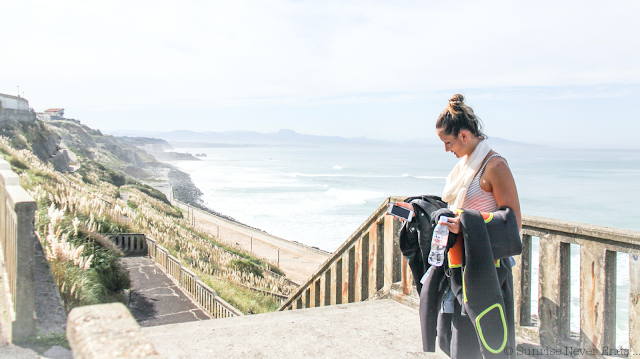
498 166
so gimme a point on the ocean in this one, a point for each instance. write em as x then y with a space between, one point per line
320 195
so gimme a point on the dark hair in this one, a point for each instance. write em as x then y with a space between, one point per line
458 116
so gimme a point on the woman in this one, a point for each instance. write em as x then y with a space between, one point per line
482 181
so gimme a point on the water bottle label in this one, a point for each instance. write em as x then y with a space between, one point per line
440 240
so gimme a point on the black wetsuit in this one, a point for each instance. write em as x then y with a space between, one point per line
481 322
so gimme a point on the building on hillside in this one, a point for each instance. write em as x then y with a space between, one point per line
13 102
55 112
15 108
51 114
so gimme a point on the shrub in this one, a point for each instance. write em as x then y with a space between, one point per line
246 266
103 173
152 192
18 164
132 204
276 269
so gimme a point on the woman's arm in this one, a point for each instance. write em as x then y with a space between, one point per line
497 178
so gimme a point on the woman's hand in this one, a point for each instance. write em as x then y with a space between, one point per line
453 223
404 205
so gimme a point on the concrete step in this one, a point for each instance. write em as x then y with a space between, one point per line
374 329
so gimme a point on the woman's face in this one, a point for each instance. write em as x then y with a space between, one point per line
453 144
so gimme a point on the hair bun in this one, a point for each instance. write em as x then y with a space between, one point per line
456 102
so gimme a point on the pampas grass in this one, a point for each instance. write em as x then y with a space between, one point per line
76 216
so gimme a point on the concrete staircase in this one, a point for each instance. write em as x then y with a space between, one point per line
371 329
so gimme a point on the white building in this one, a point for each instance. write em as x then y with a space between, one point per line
13 102
55 112
51 114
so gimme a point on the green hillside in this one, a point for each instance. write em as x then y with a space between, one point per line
77 213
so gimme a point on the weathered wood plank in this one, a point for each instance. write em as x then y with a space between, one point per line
553 295
321 291
334 286
407 277
388 252
522 284
345 278
358 271
373 250
634 304
596 263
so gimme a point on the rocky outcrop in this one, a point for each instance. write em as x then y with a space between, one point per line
60 161
174 156
46 149
125 154
136 172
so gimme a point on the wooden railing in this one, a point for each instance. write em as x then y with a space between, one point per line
17 241
369 262
131 242
199 292
598 271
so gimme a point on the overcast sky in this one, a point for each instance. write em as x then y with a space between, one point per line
556 72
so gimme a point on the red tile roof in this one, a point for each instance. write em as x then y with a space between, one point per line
54 110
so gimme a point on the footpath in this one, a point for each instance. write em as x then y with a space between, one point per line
297 260
155 299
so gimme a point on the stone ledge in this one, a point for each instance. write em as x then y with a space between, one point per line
107 331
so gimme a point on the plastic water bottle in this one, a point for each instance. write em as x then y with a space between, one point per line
439 243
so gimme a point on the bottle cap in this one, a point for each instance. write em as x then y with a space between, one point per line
443 219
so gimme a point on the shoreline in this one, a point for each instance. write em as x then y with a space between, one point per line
299 261
182 188
248 230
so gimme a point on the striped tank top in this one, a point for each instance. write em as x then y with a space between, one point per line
477 198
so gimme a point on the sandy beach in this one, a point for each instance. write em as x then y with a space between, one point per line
298 261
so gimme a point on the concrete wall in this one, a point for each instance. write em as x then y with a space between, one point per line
14 102
16 115
107 331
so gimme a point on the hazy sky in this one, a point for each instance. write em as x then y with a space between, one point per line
558 72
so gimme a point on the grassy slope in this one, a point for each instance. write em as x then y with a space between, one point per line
86 208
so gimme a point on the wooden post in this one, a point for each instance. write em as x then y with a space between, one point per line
312 294
358 279
373 246
321 292
522 284
345 277
388 252
554 279
334 286
596 266
634 304
407 277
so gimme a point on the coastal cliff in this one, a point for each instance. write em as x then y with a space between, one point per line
79 177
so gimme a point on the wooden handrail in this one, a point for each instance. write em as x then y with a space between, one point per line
354 273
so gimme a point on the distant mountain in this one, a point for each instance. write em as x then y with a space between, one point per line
283 137
142 141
